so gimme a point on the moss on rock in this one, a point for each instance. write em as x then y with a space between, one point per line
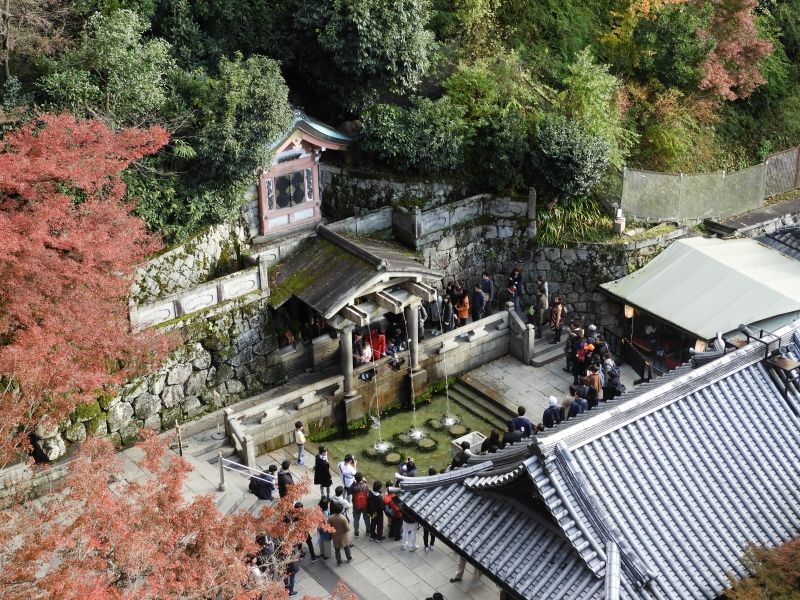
87 411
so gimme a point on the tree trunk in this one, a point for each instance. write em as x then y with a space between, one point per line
5 31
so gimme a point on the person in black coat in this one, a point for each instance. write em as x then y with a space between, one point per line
552 414
512 436
322 472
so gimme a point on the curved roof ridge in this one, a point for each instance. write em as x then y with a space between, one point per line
446 478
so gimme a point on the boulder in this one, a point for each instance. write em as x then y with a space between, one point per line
157 384
169 416
179 374
129 433
97 426
171 395
202 360
248 339
192 407
146 405
134 390
153 422
46 429
196 383
87 411
119 416
106 401
234 386
211 398
75 433
51 448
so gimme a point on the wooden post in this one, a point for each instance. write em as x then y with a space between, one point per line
180 439
221 486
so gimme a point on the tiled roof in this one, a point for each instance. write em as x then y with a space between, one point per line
786 241
681 476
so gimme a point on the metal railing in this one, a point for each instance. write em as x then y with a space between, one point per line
628 353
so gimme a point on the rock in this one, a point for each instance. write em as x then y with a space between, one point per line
224 373
234 386
97 426
146 405
153 422
242 358
46 429
212 372
87 411
171 395
157 384
248 339
134 390
119 416
196 383
179 374
192 407
211 398
203 360
106 401
116 440
75 433
51 448
129 433
169 416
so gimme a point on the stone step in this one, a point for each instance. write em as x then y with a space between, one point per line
543 346
212 456
476 409
483 391
211 446
552 354
496 414
245 503
228 500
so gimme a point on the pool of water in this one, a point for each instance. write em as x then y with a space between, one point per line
394 430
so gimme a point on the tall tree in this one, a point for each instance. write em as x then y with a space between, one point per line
69 247
141 539
113 73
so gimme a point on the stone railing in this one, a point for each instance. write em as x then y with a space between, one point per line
201 297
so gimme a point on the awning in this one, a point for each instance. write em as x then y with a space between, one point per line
706 285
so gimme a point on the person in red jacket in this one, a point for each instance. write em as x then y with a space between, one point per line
393 513
377 338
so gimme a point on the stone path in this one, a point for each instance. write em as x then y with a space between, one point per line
517 384
378 571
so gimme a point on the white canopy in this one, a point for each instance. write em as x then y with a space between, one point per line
706 285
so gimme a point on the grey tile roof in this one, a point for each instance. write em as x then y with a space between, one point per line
786 241
682 476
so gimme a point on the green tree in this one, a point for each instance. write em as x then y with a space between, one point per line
113 73
498 152
367 46
590 97
427 137
570 159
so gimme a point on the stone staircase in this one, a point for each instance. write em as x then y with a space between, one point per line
545 353
480 401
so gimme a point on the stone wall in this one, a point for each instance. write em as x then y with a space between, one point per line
214 252
348 192
226 357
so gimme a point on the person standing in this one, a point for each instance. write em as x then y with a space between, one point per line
325 537
515 287
448 316
477 303
300 440
285 479
462 309
347 470
341 535
487 286
542 311
522 423
422 316
428 537
393 513
556 319
435 310
375 511
541 283
511 436
552 414
410 527
322 472
574 340
360 492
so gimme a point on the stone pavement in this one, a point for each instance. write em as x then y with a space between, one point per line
517 384
379 571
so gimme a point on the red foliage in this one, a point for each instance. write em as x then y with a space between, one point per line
69 245
140 539
731 70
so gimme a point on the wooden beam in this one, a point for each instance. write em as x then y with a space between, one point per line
354 314
422 290
387 301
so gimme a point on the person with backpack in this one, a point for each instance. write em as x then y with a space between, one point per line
393 514
613 386
360 493
574 341
375 512
552 414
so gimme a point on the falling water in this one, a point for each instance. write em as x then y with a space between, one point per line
415 432
448 420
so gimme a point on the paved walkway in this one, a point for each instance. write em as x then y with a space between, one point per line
380 571
517 384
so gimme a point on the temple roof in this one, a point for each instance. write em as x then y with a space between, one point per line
786 241
330 271
681 477
706 285
318 131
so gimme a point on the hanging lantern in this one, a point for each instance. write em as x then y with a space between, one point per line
628 311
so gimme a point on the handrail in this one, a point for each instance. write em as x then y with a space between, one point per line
631 355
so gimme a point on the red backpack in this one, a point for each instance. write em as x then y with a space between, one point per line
360 496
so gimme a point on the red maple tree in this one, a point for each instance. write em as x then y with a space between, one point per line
731 70
104 537
69 246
